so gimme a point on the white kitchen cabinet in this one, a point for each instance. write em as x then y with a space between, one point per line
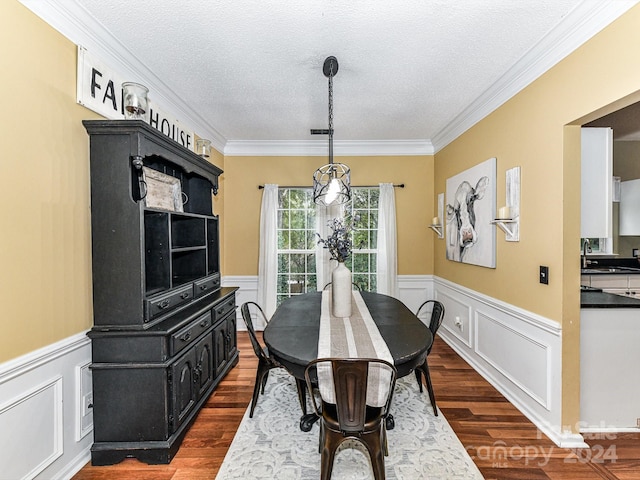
596 183
609 358
629 211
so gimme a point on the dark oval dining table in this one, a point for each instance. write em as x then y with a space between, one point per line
292 334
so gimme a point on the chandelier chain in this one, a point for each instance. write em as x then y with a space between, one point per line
331 112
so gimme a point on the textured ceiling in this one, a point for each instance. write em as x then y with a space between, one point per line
253 69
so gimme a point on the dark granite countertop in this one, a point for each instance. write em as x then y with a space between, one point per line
595 299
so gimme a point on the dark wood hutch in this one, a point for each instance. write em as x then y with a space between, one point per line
164 331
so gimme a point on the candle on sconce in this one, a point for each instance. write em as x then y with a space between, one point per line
203 147
504 213
435 221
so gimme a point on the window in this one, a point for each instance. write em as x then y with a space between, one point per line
364 202
297 240
598 245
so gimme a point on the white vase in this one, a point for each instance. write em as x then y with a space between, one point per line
341 291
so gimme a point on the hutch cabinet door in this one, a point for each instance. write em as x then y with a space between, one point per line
184 394
220 347
204 359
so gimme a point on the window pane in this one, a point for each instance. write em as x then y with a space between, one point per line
311 264
283 240
298 239
282 284
297 218
283 219
359 198
360 239
283 198
298 263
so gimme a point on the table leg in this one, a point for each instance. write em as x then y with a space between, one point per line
302 394
307 421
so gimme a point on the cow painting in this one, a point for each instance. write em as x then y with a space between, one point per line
470 238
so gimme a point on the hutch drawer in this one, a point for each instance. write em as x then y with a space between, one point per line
168 301
188 334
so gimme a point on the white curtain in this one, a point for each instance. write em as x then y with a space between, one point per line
324 266
387 258
268 259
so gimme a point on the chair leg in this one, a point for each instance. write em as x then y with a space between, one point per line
302 394
374 442
264 380
261 374
332 441
432 396
418 377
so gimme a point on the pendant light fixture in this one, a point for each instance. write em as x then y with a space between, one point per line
331 182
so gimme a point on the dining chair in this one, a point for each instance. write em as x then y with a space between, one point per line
265 361
437 315
350 417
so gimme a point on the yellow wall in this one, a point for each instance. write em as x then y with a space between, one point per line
529 131
414 203
45 274
45 245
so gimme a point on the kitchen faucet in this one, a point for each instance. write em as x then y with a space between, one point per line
586 247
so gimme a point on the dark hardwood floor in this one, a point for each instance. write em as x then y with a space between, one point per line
501 441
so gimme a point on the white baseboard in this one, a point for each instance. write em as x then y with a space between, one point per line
42 426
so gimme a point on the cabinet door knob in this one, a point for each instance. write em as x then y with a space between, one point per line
203 287
164 304
184 295
186 337
204 323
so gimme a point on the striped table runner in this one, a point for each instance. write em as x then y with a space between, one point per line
356 336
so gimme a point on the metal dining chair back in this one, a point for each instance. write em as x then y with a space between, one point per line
350 417
265 362
437 315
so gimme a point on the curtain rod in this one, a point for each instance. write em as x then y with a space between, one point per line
399 185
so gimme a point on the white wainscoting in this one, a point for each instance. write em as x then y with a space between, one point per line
518 352
412 291
44 431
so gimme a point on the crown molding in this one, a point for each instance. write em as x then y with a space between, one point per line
73 21
582 23
342 148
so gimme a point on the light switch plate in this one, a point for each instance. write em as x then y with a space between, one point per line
544 274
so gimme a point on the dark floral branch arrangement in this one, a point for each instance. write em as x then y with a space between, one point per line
339 243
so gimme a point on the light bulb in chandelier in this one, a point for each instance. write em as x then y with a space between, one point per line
333 191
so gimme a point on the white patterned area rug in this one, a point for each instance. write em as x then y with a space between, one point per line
271 445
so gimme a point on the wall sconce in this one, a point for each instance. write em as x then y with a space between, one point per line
203 147
436 226
436 222
509 216
135 101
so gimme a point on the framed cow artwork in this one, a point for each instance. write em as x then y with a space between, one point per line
470 207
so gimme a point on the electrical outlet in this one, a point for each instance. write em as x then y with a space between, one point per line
458 322
638 422
87 404
544 274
